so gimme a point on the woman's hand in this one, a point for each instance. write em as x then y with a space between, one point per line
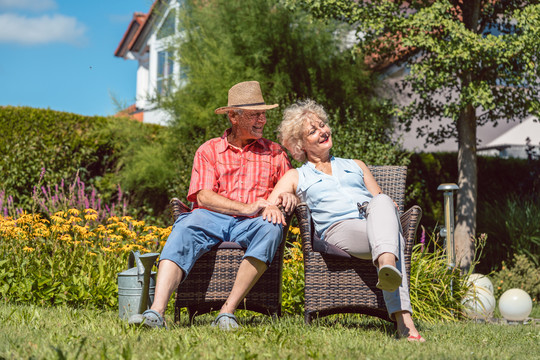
274 215
288 201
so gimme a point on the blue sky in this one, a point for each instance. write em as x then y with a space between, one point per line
59 54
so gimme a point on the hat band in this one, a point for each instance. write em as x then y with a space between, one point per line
242 105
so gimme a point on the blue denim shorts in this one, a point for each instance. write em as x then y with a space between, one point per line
195 233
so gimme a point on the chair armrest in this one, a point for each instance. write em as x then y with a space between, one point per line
177 208
410 220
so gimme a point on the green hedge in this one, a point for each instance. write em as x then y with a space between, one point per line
498 180
63 144
36 139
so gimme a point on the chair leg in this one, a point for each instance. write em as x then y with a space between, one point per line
307 318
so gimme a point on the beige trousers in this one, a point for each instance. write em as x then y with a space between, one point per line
368 238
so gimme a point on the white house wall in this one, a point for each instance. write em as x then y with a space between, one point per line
142 83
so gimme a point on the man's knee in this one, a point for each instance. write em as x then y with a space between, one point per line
273 232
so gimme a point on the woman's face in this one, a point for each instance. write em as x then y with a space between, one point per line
317 137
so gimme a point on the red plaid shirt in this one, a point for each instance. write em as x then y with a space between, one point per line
243 175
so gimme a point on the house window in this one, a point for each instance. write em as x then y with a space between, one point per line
168 26
165 72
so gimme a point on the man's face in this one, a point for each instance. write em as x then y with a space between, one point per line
249 124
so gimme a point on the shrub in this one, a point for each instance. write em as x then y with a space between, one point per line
33 139
428 170
521 273
436 290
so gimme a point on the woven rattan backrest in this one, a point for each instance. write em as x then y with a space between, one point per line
391 179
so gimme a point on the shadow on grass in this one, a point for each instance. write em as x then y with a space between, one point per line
338 321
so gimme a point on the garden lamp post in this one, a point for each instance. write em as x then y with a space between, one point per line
448 230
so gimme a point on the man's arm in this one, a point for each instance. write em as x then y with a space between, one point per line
218 203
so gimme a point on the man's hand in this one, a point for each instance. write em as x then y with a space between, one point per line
288 201
273 214
254 208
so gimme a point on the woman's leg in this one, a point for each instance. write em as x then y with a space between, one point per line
387 242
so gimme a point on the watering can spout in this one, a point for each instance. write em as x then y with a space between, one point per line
136 285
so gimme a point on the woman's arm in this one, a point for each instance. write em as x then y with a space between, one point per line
369 180
284 193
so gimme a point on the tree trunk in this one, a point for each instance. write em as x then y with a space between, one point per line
466 196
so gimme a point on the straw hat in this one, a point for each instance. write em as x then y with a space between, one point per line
246 95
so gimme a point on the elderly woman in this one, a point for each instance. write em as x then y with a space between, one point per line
332 187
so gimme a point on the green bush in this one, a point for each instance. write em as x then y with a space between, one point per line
521 273
436 291
46 147
36 139
498 180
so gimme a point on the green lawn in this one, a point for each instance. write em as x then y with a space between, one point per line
67 333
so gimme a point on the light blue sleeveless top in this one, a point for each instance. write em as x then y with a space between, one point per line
332 198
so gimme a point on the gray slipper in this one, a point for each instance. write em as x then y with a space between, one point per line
389 278
226 321
149 318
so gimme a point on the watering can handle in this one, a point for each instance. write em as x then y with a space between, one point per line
131 259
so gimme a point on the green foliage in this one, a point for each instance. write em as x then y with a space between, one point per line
428 170
522 273
70 259
371 146
436 291
466 48
60 143
513 223
292 298
45 147
291 54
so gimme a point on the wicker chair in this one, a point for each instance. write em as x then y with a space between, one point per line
210 281
335 282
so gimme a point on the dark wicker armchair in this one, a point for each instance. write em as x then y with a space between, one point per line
335 282
210 281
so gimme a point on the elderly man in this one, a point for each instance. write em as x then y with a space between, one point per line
231 179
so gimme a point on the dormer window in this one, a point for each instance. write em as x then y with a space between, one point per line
165 72
168 27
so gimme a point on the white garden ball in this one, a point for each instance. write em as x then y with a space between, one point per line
515 305
479 303
481 281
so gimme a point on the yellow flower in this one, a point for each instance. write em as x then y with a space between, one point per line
92 254
66 237
91 217
294 230
28 249
57 219
74 212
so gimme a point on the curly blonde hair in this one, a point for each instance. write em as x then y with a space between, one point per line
291 129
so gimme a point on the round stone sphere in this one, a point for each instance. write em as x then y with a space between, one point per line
515 305
480 280
479 303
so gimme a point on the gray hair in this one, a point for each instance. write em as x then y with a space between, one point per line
291 129
236 111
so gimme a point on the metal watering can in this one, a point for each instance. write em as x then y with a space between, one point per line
136 285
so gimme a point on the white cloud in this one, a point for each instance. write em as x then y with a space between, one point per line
41 30
33 5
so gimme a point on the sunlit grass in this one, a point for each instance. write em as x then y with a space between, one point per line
28 331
